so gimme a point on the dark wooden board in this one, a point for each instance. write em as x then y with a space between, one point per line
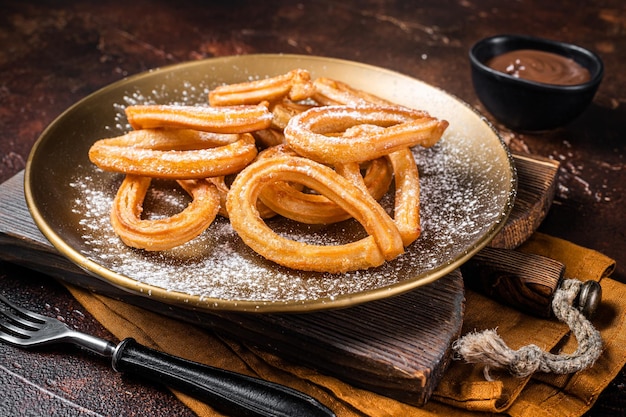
537 179
398 347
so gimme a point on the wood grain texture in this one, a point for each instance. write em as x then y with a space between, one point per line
58 52
524 281
537 179
397 347
373 345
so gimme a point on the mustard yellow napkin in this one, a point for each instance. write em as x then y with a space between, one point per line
463 391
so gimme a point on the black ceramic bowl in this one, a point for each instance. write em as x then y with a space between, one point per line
528 105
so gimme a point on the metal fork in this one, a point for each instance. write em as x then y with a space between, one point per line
232 393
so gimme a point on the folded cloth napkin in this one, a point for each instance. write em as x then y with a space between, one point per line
463 391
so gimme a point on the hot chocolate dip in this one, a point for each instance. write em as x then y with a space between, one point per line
540 66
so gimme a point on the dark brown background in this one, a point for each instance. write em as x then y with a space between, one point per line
53 53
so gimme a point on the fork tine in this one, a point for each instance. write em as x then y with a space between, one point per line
25 328
17 331
16 324
20 315
12 318
10 338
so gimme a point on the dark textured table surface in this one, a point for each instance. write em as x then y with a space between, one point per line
53 53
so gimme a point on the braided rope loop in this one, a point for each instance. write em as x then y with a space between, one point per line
488 348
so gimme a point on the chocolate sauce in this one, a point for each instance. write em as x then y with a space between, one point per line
540 66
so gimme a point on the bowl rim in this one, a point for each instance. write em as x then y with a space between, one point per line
596 73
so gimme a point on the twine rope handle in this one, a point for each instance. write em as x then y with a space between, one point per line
488 348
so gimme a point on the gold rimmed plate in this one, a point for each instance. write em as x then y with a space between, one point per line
468 186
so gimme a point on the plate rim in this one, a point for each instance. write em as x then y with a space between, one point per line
191 301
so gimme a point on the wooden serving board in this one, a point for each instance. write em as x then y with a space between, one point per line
398 347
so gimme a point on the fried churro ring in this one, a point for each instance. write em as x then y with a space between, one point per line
222 188
323 164
164 233
296 85
289 201
230 119
283 111
174 153
407 195
313 133
407 186
267 138
329 92
383 243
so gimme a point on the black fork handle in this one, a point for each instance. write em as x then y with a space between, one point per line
229 392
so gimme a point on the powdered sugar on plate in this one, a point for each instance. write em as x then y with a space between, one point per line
465 179
457 205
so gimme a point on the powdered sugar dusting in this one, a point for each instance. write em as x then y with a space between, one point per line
462 197
188 94
456 206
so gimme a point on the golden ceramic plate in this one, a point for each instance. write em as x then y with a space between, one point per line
467 186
